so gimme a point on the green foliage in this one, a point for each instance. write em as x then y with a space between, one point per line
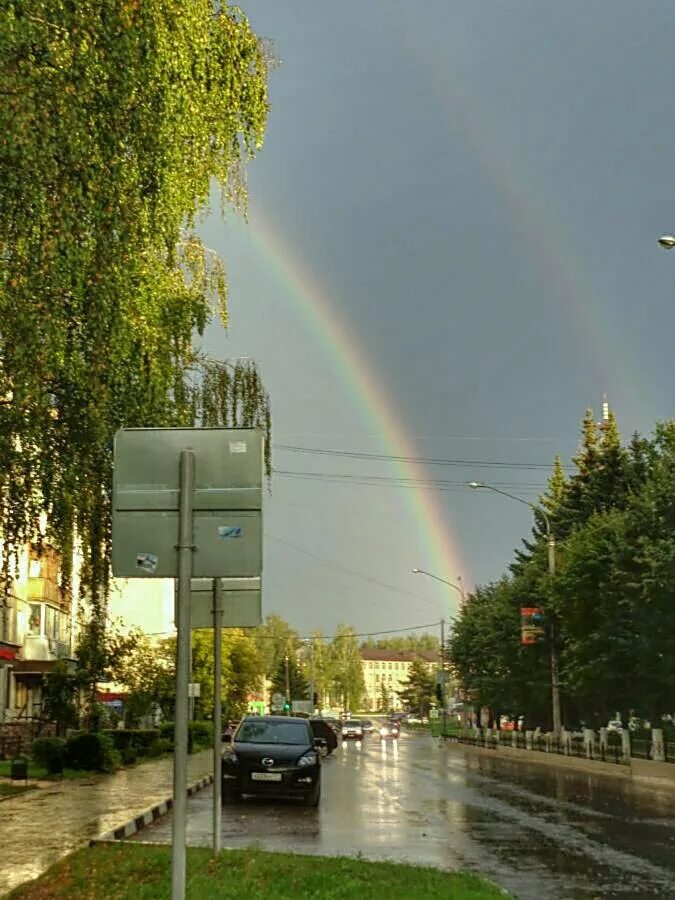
202 734
49 752
347 685
241 670
412 643
612 600
116 121
418 690
132 741
289 674
93 752
138 870
59 697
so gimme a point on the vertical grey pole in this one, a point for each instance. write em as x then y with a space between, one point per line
185 548
555 685
217 712
443 728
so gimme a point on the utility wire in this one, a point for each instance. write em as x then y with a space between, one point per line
393 481
421 460
325 637
330 562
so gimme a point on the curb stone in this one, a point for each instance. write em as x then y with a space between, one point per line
147 817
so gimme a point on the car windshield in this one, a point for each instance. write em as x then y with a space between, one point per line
353 724
272 733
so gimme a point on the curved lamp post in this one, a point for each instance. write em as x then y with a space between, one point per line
667 241
550 540
458 587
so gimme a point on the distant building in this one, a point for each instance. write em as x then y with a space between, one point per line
390 668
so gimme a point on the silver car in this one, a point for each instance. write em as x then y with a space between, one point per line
352 728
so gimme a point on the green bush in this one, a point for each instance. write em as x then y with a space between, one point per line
128 755
49 752
166 731
137 739
201 733
92 751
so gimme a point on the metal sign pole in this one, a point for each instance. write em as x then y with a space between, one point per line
217 712
180 755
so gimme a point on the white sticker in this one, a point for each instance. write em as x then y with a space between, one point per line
237 446
147 562
229 531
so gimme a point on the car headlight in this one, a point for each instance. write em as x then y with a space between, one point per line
309 759
231 758
383 731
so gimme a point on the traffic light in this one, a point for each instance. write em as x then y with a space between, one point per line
315 699
287 706
439 694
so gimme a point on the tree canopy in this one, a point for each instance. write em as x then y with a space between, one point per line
611 602
116 121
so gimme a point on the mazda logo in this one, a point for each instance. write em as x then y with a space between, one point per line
268 761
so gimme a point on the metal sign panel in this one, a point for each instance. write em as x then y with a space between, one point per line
227 500
241 599
226 544
228 472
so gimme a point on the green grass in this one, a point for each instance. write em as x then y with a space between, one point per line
8 790
36 771
143 872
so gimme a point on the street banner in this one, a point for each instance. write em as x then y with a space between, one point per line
532 629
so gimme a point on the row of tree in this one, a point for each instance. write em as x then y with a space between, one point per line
610 607
115 126
144 671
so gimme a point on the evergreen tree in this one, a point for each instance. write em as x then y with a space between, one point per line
418 690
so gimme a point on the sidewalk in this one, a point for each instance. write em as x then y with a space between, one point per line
41 826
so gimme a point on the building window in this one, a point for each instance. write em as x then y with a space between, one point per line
35 618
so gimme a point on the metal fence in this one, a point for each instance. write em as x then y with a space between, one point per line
574 746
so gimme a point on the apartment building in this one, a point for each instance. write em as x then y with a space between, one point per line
37 628
390 668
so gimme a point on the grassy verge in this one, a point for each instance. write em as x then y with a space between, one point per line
142 872
9 790
35 771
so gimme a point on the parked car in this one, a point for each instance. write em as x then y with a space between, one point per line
614 725
321 729
389 730
353 728
273 756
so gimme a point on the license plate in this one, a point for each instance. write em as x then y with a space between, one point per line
265 776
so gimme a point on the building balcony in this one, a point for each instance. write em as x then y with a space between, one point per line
45 590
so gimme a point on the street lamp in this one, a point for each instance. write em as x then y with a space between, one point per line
550 540
458 587
667 241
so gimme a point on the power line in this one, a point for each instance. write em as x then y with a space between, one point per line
326 637
404 482
421 460
330 562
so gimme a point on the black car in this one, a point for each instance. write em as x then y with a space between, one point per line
273 756
322 729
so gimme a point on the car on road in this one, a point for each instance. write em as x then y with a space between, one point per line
273 756
389 730
353 728
321 729
367 726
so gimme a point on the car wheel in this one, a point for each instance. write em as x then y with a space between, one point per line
312 799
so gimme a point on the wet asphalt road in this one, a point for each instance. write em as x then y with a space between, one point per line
539 832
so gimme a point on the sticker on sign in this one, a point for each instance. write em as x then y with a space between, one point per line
230 531
146 561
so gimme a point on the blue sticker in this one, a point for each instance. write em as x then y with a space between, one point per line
229 531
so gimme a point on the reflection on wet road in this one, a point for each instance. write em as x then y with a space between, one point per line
539 832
